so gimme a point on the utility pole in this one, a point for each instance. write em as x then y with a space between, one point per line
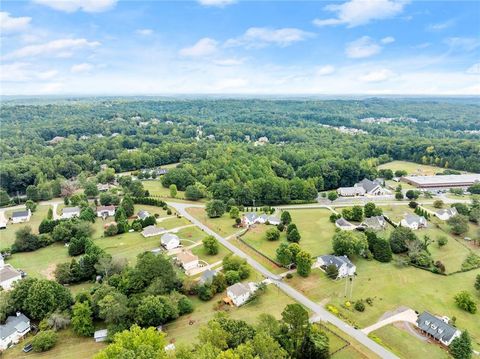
346 285
351 286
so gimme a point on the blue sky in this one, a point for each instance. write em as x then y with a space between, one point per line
240 47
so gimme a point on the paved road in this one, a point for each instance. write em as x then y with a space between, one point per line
321 314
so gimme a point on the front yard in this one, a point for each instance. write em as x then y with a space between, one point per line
224 225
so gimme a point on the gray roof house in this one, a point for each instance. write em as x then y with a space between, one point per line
14 329
143 214
437 328
345 225
152 230
344 265
414 222
447 213
207 276
376 222
370 187
170 240
351 191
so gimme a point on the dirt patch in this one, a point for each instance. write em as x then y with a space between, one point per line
49 272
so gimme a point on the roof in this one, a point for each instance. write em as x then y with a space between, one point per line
8 272
239 289
250 216
337 261
14 324
168 237
208 275
143 214
444 179
102 333
351 191
186 257
152 230
413 218
366 184
105 208
436 327
71 210
273 219
19 214
342 222
263 216
374 222
450 211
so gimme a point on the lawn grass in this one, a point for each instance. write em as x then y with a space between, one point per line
210 259
255 236
406 345
155 188
191 235
7 236
69 346
224 225
185 329
411 168
259 258
173 222
396 212
392 286
153 210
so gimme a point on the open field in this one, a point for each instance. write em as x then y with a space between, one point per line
255 236
391 286
224 225
7 236
185 328
69 346
411 168
392 185
190 235
173 222
406 345
155 188
315 228
210 259
354 351
396 213
259 258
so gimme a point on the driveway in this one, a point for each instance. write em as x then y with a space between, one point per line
407 315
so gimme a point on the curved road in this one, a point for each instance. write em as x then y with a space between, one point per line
320 312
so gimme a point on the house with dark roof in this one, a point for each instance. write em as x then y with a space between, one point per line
371 188
344 225
436 328
414 222
21 216
344 265
446 214
14 329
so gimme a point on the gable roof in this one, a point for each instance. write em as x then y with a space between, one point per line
413 218
186 257
337 261
8 272
143 214
19 214
169 237
152 230
367 184
14 324
342 222
238 289
449 211
351 191
105 208
208 276
436 327
374 222
71 210
250 216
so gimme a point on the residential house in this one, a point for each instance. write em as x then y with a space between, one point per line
105 211
437 328
170 241
152 230
207 276
100 335
248 219
365 187
273 220
345 225
143 214
446 214
8 274
21 216
70 212
251 218
187 260
261 218
14 329
351 191
344 265
240 292
104 187
414 222
377 223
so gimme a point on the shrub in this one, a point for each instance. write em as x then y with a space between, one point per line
465 301
332 271
273 234
359 306
442 241
289 276
44 340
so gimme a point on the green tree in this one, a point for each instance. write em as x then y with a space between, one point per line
332 195
273 234
304 263
293 236
32 206
461 347
215 208
458 224
284 255
90 189
465 301
173 190
4 197
155 310
332 271
400 237
50 213
477 282
442 241
438 203
286 218
82 322
210 244
382 251
234 212
349 243
128 205
295 320
88 214
44 340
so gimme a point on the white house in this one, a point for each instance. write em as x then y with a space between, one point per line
345 225
8 274
14 329
251 218
261 218
414 222
437 328
248 219
273 220
152 230
240 292
187 260
344 265
170 241
70 212
446 214
105 211
376 223
21 216
100 335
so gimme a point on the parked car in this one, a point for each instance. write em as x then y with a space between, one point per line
27 348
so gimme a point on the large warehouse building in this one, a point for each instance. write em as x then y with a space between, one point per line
445 181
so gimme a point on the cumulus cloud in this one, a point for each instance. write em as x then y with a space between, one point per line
362 47
84 67
59 48
10 24
377 76
441 25
217 3
462 43
387 40
203 47
474 69
325 70
144 32
70 6
229 62
360 12
263 36
24 71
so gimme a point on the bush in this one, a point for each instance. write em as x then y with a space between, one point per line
359 306
438 203
465 301
289 276
442 241
273 234
332 271
44 340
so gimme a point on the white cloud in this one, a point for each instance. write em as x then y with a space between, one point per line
47 75
462 43
84 67
70 6
360 12
325 70
218 3
229 62
230 83
441 25
474 69
423 45
16 71
203 47
10 24
51 88
144 32
362 47
377 76
263 36
59 48
387 40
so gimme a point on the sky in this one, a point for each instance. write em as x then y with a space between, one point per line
110 47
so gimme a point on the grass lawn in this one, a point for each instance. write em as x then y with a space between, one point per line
185 328
393 185
210 259
411 168
391 286
173 222
396 212
153 210
69 346
191 235
260 259
406 345
315 229
7 236
156 189
223 225
255 236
